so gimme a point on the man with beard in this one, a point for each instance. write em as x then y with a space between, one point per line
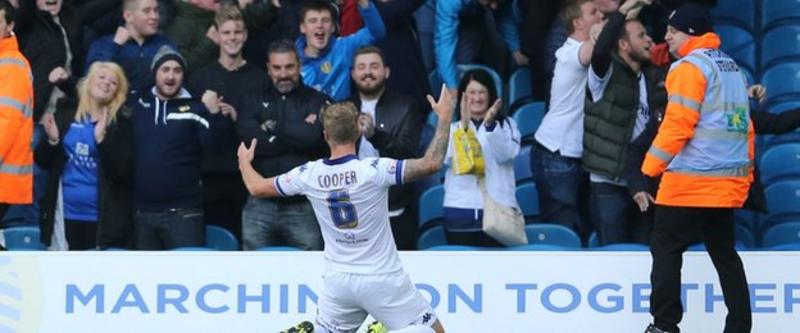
627 93
390 125
327 58
171 130
134 44
283 117
226 81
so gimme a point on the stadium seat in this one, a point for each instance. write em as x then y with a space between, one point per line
744 236
432 237
593 241
220 239
785 106
738 44
192 249
498 82
739 12
782 199
622 247
552 234
541 247
519 88
456 248
436 81
785 247
777 12
278 248
783 81
781 44
784 233
739 246
779 162
431 204
528 200
528 118
522 165
23 239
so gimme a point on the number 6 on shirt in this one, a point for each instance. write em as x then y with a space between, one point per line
343 213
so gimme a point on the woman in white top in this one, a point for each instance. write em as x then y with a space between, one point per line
499 139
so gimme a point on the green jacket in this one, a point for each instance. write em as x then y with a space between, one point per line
609 122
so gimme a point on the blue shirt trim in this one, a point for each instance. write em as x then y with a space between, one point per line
340 160
399 173
278 187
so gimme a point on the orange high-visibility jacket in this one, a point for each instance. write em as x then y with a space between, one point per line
16 125
705 145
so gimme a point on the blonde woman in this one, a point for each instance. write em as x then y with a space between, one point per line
88 153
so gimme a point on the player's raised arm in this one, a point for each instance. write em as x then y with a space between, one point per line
257 185
434 157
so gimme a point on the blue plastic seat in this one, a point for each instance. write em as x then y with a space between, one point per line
431 205
785 247
738 44
522 165
528 200
779 162
23 239
456 248
528 118
744 236
783 201
593 241
220 239
783 81
436 81
622 247
781 44
784 233
552 234
519 88
498 82
541 247
192 249
777 12
278 248
739 12
432 237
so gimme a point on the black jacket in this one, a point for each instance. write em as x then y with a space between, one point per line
233 87
115 216
291 141
42 43
398 123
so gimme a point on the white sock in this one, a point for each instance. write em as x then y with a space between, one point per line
320 329
415 329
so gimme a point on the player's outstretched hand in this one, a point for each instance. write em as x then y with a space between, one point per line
246 154
444 106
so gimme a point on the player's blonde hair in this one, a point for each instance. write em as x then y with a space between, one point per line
340 122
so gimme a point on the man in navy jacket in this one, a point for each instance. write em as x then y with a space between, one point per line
171 129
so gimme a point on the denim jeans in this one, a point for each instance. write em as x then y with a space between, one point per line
616 217
561 182
272 222
166 230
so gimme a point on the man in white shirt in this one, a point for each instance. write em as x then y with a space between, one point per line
556 155
363 273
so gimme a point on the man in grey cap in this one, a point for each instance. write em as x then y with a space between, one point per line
171 129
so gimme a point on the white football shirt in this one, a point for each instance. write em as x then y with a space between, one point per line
350 198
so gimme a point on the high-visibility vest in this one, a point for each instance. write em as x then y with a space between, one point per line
16 125
719 146
718 153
